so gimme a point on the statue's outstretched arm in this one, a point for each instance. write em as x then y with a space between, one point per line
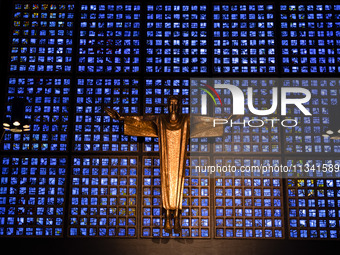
114 114
136 125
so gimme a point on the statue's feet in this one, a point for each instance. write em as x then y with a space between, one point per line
177 228
167 226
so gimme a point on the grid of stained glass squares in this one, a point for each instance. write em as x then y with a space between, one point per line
94 129
246 205
103 197
176 39
243 38
307 136
109 38
195 215
313 203
310 38
47 109
32 196
41 37
158 90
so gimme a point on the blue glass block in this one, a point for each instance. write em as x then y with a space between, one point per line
147 171
219 192
156 232
219 212
219 232
185 212
219 202
194 192
248 233
146 232
194 232
156 222
229 212
195 202
332 223
239 233
204 202
204 233
258 233
185 222
131 232
333 234
185 232
204 192
111 232
73 231
102 232
156 212
121 231
204 212
229 192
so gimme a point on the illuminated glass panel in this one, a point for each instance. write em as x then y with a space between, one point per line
176 39
307 135
47 109
243 38
310 38
32 196
157 92
109 38
103 198
247 206
94 129
41 38
313 203
195 215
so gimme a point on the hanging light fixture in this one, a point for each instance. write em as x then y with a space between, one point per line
333 130
16 122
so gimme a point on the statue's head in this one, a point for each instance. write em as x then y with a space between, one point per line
173 107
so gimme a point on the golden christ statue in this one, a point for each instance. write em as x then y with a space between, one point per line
172 130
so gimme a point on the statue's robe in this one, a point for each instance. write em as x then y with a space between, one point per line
173 140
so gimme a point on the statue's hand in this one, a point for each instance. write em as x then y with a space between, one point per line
113 114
